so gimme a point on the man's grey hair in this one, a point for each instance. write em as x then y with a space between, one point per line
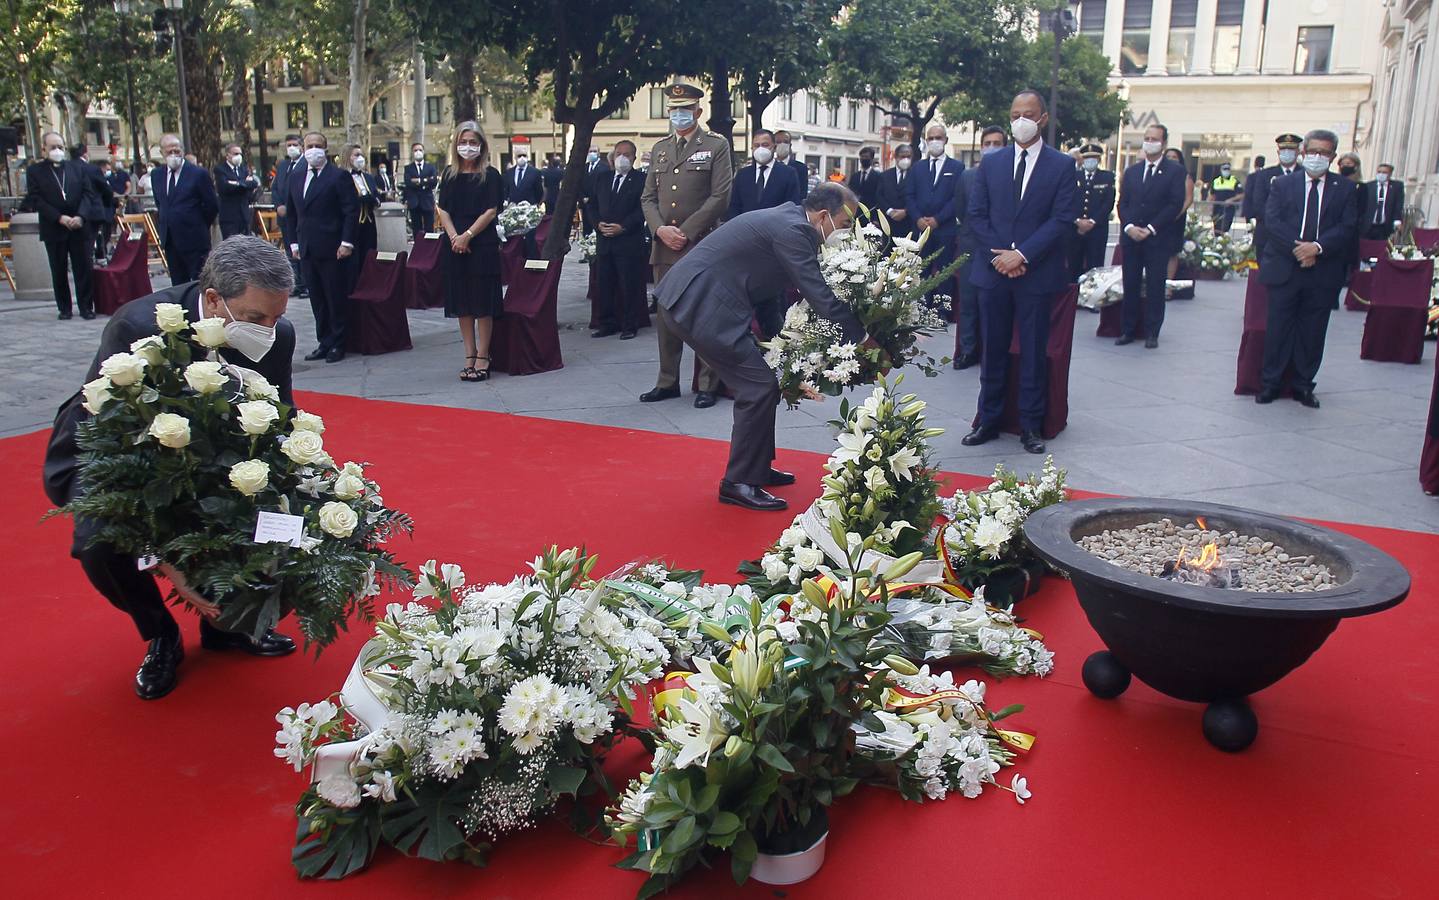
1322 134
245 261
831 197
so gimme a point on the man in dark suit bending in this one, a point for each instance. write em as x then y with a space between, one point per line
621 251
764 184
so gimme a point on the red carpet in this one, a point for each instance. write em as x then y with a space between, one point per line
109 796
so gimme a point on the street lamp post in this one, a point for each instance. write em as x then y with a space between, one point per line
1061 22
122 9
176 9
1123 92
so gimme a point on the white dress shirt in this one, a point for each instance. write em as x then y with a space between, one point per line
1304 222
1029 161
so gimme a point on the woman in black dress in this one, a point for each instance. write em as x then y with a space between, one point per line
367 190
469 202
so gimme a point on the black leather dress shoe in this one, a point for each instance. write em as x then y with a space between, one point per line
63 316
657 394
604 332
779 479
704 399
335 355
1307 398
317 353
982 434
272 643
1031 441
1266 396
966 361
88 314
1123 339
750 496
628 335
159 670
1150 343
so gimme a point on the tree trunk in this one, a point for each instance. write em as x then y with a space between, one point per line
721 119
558 243
918 122
417 119
462 86
202 83
357 110
240 107
72 107
757 104
264 169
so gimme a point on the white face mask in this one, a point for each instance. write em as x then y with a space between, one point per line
468 151
419 155
623 164
56 155
763 155
934 148
315 156
292 151
1381 177
1151 148
522 161
781 150
1315 164
1023 129
236 159
174 161
1090 164
250 340
1287 157
358 162
903 163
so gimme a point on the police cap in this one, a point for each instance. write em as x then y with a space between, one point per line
1093 150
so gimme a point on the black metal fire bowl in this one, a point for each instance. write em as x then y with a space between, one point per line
1207 644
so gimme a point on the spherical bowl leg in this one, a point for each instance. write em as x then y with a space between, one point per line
1230 725
1104 676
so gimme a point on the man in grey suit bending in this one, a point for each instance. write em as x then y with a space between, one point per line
708 299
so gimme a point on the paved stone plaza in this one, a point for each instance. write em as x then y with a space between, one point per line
1159 422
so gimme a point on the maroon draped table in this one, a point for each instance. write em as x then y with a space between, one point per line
424 272
1429 461
515 250
1398 311
1426 238
126 277
377 321
1057 352
1251 343
527 337
1111 317
1361 283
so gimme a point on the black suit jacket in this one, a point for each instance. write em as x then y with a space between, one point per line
419 186
1283 219
131 322
43 181
324 217
100 205
865 184
892 195
1263 179
746 195
1097 195
234 188
801 170
186 216
552 176
1393 210
1157 204
530 189
622 209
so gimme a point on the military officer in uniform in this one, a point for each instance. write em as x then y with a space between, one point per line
686 193
1288 145
1096 193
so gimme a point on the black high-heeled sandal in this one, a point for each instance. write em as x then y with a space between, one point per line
470 373
483 374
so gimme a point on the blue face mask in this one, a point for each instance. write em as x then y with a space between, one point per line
985 151
682 119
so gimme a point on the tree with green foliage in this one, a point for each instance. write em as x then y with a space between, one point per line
1088 108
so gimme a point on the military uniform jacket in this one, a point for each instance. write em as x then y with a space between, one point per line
690 191
1096 195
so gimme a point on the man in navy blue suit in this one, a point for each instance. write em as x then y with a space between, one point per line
1151 230
523 183
186 202
323 209
280 195
1310 218
966 304
784 152
1022 205
931 200
235 184
621 250
418 189
892 196
764 184
865 180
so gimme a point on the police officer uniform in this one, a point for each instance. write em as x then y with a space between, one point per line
1285 142
1096 193
1223 190
688 187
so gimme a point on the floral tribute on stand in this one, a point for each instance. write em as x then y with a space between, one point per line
886 289
182 455
519 218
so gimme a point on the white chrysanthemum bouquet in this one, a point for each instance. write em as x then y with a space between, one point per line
465 722
984 539
519 218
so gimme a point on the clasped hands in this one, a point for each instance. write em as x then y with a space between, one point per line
1137 233
672 237
611 229
1009 263
71 222
1084 226
1307 252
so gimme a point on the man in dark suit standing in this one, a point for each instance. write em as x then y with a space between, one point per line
892 195
1288 145
57 189
965 313
1311 217
1022 205
553 175
1382 205
1096 204
784 152
418 188
186 202
384 183
708 298
1251 181
245 280
865 180
235 184
523 183
280 196
323 210
621 251
110 202
596 171
764 184
1151 230
931 201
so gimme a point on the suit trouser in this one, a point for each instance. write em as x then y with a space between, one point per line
422 221
1295 330
286 239
1377 231
620 290
1000 309
117 578
769 313
1224 219
230 229
185 265
966 314
71 252
672 348
104 230
1086 251
328 301
756 400
1146 265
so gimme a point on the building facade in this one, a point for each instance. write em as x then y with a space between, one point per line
1405 132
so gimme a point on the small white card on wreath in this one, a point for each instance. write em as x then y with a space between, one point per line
537 265
144 563
279 528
